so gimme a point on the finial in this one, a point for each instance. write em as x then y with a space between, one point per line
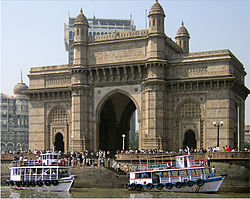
21 77
156 1
81 11
182 23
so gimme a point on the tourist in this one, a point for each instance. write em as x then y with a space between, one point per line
208 161
213 171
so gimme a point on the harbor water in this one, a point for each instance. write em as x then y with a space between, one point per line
7 192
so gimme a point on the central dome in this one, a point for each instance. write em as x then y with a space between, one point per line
20 88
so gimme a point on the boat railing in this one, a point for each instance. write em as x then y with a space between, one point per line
151 166
42 177
39 162
163 165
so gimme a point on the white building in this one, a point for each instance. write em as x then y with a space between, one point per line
96 27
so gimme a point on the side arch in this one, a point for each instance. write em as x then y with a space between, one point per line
58 122
189 117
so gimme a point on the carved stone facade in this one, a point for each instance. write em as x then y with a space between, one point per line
177 94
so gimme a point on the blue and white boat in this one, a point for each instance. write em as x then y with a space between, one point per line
47 173
185 174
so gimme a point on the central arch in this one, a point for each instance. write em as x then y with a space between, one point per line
114 120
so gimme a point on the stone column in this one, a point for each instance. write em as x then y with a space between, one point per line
153 117
79 112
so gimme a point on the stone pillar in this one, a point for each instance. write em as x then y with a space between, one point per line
153 117
79 111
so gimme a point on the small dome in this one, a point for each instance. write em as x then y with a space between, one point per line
182 31
81 18
156 9
19 88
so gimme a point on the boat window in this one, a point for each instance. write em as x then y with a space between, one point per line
174 173
206 170
184 172
198 171
147 175
165 174
138 175
53 171
33 171
193 173
39 171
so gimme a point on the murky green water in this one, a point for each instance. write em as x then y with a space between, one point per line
7 192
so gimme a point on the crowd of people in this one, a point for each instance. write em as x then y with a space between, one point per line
192 150
87 157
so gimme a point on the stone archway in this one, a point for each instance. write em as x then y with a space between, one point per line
59 143
189 140
114 120
58 130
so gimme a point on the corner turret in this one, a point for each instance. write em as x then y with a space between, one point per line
80 40
156 18
182 38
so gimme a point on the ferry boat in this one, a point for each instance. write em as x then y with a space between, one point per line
185 174
47 173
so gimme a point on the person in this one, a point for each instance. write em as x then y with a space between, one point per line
213 171
208 160
118 168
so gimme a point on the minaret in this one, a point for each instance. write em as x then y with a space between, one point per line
156 40
156 18
80 41
182 38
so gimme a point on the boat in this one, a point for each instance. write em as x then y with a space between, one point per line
185 174
47 173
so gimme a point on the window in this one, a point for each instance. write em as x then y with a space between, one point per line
189 110
71 35
174 173
184 172
147 175
165 174
153 22
77 32
138 175
58 115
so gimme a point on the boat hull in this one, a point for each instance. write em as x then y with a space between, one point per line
64 185
211 185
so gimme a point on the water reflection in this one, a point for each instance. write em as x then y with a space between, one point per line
7 192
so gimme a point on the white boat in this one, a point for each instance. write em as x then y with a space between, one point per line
185 174
47 173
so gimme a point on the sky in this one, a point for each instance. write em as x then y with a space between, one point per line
32 32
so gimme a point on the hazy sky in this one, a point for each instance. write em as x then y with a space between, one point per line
32 32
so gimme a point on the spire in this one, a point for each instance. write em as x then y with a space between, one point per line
81 11
21 77
182 23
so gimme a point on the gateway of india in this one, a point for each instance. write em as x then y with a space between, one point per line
177 94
